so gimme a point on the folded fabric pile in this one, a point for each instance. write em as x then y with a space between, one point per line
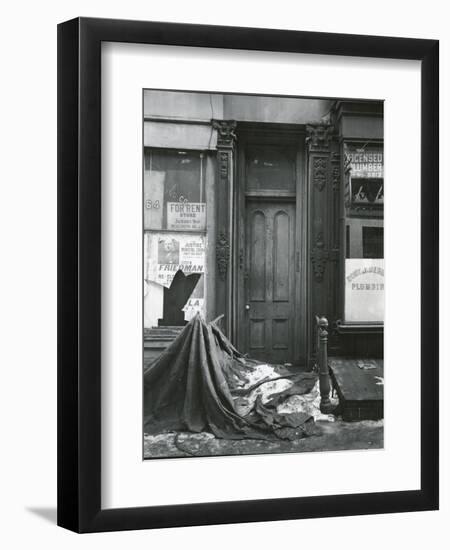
201 383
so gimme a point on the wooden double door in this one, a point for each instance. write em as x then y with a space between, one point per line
268 323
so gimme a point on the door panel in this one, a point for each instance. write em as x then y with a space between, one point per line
281 257
257 256
270 281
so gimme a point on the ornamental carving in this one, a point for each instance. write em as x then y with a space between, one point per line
335 178
222 254
335 171
319 136
222 158
225 132
319 257
319 175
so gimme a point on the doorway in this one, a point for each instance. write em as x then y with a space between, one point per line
270 286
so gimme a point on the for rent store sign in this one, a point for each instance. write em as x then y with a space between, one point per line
186 216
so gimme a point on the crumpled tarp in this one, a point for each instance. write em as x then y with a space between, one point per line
195 383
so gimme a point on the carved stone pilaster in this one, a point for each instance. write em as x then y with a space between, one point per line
226 138
335 212
319 136
226 135
319 257
223 164
223 254
335 171
319 172
324 184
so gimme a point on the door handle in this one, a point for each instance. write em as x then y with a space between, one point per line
247 307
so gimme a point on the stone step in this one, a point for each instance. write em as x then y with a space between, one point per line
359 385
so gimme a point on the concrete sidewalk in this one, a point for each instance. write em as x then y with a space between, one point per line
330 436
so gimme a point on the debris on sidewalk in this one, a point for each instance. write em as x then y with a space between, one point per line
201 383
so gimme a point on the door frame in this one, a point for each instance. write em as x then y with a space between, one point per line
290 135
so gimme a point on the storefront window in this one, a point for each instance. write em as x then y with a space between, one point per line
174 236
364 232
174 191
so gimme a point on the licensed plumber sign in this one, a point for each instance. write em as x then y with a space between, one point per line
186 216
364 290
365 162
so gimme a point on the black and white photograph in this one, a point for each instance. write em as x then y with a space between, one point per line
226 251
263 274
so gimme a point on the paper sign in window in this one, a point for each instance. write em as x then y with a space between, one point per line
364 290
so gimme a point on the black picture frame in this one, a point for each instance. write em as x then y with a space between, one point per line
79 274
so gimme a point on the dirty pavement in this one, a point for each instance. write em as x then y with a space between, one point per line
203 398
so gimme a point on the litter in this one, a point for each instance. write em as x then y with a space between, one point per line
366 365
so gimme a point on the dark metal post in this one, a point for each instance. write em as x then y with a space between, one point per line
326 406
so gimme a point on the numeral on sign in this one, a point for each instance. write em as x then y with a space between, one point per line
151 204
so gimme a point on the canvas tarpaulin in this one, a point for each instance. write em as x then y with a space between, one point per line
195 383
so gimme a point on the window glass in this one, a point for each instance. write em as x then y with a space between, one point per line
364 232
270 168
174 237
373 242
174 191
